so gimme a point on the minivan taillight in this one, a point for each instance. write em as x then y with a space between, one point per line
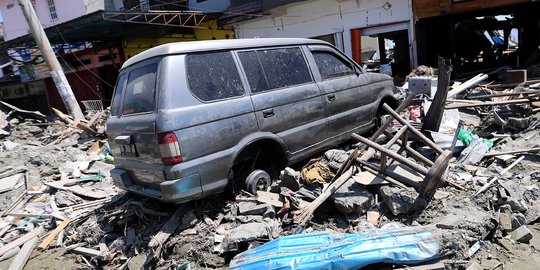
169 149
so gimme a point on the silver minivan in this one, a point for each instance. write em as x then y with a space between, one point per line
190 119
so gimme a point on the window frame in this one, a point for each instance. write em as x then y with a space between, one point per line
157 85
300 47
52 10
236 63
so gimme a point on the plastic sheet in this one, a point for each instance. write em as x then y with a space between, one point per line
322 250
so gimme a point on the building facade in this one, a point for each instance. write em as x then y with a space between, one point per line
92 39
360 28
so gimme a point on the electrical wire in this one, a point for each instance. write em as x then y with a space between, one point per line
77 75
78 59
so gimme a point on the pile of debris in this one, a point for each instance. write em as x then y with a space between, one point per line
440 184
52 173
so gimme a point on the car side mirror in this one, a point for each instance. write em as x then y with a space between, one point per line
357 71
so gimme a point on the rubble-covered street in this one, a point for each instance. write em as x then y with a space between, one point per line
60 209
269 134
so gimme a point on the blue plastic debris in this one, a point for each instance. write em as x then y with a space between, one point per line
323 250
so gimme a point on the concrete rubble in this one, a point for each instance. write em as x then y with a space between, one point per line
489 205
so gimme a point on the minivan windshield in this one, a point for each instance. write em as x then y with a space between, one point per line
140 89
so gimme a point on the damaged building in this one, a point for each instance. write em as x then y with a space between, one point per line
479 36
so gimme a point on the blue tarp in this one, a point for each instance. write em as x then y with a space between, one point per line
323 250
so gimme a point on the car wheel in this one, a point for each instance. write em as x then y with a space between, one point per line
258 180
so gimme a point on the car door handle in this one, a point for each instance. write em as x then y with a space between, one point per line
268 113
331 97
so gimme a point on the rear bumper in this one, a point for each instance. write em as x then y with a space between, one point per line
173 191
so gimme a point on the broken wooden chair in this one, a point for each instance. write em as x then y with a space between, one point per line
431 171
360 156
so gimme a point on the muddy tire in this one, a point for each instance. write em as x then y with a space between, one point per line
258 180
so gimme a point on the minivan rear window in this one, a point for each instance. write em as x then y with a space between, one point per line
117 98
213 76
140 89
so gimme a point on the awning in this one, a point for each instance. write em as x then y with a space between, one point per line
108 27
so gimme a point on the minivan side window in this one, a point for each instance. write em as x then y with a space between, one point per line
140 90
277 68
213 76
118 90
254 72
331 66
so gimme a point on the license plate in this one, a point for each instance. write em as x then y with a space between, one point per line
128 150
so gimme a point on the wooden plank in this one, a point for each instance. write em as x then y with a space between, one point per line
11 253
53 234
308 211
487 103
273 199
517 151
94 118
171 225
87 251
4 230
21 240
79 190
9 183
86 128
30 215
11 172
13 205
103 246
22 257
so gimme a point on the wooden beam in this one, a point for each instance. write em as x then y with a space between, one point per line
171 226
53 234
488 103
517 151
22 257
433 118
21 240
307 212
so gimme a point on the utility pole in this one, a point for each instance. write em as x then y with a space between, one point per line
47 52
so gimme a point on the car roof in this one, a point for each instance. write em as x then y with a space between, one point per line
212 45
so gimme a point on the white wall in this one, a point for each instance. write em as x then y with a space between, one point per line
93 5
321 17
15 25
209 5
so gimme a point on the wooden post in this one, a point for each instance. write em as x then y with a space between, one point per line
433 118
49 56
393 155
